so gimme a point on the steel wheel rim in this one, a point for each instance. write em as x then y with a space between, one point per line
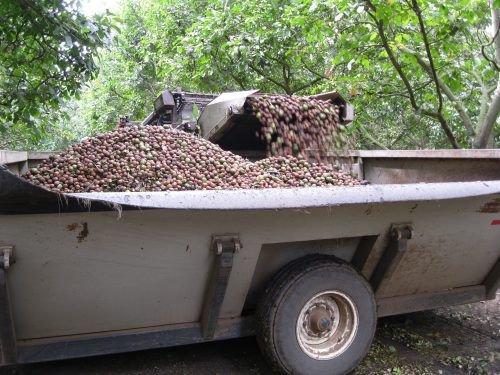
327 324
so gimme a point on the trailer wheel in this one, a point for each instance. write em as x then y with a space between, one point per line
318 316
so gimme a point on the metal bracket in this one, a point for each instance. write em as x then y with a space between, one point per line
492 281
7 257
392 255
224 247
363 251
7 332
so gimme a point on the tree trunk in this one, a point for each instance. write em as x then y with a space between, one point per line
485 131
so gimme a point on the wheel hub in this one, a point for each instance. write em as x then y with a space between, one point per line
326 325
320 320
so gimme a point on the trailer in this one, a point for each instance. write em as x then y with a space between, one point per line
308 270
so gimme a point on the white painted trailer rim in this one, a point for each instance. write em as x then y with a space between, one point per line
290 198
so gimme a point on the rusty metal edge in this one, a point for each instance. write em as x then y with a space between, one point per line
18 196
425 154
40 350
426 301
7 157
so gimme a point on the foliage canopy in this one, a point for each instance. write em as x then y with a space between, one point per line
421 73
47 51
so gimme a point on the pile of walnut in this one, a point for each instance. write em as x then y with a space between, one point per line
151 158
292 125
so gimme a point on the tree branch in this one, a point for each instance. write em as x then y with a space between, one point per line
457 103
406 130
366 134
237 79
400 94
390 53
264 75
114 91
495 15
418 12
313 72
436 115
305 86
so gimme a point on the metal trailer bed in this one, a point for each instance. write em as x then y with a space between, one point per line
97 273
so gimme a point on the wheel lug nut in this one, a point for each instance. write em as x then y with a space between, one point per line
325 324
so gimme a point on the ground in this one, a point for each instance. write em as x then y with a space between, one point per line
456 340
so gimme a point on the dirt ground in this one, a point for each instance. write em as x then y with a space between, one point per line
458 340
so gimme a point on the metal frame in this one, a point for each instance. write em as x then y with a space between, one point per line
426 301
224 248
492 281
7 331
363 251
41 350
425 154
392 256
210 328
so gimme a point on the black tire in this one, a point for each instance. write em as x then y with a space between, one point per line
282 303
